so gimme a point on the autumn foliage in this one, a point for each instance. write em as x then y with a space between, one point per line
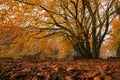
53 39
56 29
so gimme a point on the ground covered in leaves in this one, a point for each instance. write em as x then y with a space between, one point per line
84 69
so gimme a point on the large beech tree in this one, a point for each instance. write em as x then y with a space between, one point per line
85 23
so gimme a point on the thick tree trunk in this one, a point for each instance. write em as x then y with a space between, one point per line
95 51
81 51
88 50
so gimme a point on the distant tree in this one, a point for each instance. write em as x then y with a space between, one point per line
114 41
13 34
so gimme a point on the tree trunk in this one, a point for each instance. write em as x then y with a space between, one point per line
81 51
88 50
95 51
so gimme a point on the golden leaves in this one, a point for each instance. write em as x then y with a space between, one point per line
2 1
114 35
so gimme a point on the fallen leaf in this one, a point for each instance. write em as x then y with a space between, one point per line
34 78
97 78
108 78
56 69
48 77
68 78
69 69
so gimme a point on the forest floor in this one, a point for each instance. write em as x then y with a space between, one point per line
84 69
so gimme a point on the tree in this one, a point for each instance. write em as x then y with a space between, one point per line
118 29
114 41
11 32
85 23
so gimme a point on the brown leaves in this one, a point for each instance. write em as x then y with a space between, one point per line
53 70
108 78
18 74
97 78
105 78
56 69
68 78
69 69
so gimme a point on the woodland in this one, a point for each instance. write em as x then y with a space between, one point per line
60 39
59 29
